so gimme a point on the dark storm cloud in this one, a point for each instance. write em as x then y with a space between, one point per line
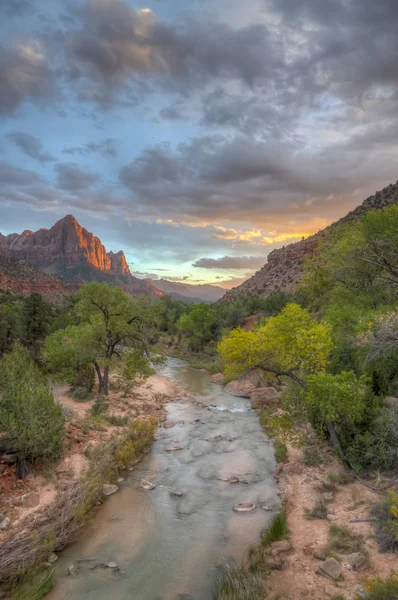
11 175
230 262
14 8
74 178
105 147
116 42
25 73
30 145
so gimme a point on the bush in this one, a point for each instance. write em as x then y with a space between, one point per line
99 407
387 525
342 540
312 458
80 394
31 421
379 589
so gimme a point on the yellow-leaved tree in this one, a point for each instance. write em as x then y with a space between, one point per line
292 344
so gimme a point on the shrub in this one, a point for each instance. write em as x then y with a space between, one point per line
379 589
280 451
31 421
80 394
387 524
319 511
238 583
100 406
342 540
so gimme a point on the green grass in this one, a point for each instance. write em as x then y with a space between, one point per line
338 597
34 586
342 540
318 511
277 529
238 583
379 589
387 524
280 451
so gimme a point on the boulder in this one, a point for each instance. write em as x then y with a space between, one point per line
263 397
281 546
30 500
240 387
391 401
331 568
217 378
358 561
5 524
108 489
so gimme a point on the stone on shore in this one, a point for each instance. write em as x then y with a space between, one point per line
30 500
240 387
331 568
108 489
217 378
263 397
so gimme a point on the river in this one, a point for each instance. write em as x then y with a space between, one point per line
170 547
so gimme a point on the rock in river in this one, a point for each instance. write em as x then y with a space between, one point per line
147 485
244 507
240 387
109 488
174 448
263 397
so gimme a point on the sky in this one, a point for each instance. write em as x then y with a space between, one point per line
195 135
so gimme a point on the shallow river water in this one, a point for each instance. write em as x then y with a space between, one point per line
169 547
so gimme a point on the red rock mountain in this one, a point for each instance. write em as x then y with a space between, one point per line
19 277
283 267
71 253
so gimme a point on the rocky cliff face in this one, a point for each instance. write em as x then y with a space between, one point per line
71 253
284 266
18 277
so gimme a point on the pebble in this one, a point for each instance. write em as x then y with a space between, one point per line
5 524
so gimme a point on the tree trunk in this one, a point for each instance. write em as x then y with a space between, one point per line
335 439
105 380
21 468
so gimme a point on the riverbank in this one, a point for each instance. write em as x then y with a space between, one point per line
44 511
325 511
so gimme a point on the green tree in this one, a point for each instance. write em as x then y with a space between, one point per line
199 325
109 321
11 324
37 317
31 422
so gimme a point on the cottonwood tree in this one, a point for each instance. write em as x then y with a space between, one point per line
109 322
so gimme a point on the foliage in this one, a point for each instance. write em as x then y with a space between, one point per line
290 343
280 451
34 586
109 320
198 325
80 394
136 366
387 524
238 583
335 398
31 422
377 588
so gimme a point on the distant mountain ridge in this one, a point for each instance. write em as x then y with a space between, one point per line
69 252
19 277
189 292
284 266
